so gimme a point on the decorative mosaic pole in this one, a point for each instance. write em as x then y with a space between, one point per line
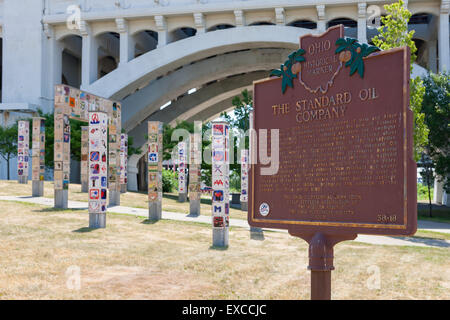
155 129
114 158
61 158
195 150
98 165
38 162
244 180
123 162
84 158
182 192
220 183
23 149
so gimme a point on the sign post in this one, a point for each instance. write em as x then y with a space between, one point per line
341 145
38 161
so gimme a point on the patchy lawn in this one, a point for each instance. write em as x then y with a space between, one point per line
43 249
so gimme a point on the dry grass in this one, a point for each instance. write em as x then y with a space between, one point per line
134 259
128 199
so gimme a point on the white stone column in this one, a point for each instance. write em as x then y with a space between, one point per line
161 25
132 183
89 63
240 18
432 55
362 22
321 23
126 42
438 191
443 34
54 60
280 17
200 23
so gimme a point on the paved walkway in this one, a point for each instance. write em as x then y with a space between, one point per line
378 240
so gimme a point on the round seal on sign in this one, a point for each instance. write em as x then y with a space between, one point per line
264 209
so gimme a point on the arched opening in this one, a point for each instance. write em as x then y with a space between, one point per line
350 26
425 38
182 33
106 65
262 23
144 41
108 52
306 24
220 27
71 61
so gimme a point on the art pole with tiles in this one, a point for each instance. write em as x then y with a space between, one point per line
72 103
182 157
38 156
154 155
84 174
244 180
123 162
23 149
220 183
98 169
195 151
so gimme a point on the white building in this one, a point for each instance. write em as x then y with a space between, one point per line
146 53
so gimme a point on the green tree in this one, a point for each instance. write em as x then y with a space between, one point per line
436 107
394 33
8 144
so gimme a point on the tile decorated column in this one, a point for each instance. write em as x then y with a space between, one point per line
123 162
155 153
220 183
23 149
244 180
98 169
38 162
114 125
195 150
182 157
84 158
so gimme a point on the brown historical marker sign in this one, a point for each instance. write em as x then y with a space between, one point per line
345 141
341 110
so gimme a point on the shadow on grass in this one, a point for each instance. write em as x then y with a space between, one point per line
218 248
59 209
84 230
148 221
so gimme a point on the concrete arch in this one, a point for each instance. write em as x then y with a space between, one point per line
147 100
140 71
431 8
61 36
199 101
104 27
139 30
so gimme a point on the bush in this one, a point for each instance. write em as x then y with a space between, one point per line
422 192
169 180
